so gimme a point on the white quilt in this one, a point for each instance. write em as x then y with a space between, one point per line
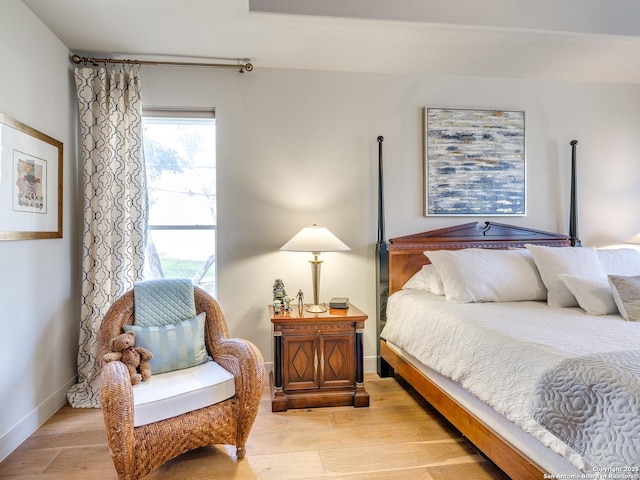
498 351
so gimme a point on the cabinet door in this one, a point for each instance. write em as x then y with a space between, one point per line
300 369
337 364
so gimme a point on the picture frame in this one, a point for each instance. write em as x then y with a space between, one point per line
475 162
30 182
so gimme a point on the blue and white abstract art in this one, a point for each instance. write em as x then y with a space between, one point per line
475 162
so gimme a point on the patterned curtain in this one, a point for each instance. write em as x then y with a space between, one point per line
115 206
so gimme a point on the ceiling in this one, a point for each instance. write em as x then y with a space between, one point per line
558 40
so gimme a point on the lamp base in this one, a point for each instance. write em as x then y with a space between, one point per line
316 309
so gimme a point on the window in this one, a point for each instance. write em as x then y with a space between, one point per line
180 160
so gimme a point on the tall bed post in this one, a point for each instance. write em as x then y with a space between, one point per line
382 267
573 208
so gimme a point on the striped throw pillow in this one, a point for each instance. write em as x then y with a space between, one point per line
626 293
174 346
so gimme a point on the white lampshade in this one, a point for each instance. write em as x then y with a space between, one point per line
634 239
314 239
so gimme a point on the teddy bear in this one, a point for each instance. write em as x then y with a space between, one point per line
135 358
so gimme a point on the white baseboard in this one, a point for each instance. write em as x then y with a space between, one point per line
34 420
371 364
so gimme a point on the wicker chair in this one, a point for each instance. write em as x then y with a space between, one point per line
136 451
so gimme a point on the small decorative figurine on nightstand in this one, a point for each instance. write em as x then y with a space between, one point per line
278 290
300 298
287 303
277 307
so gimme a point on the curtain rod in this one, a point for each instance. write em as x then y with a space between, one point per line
242 67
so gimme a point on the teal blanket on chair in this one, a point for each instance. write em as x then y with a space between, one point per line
163 301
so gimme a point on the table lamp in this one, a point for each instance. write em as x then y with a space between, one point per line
316 240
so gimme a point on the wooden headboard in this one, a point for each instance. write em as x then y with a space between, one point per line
406 255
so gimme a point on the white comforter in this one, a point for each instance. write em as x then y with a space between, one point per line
497 351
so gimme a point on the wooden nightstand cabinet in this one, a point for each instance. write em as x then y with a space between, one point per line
318 359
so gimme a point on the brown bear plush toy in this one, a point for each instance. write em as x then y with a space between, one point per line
135 358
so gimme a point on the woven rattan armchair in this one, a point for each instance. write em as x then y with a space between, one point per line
136 451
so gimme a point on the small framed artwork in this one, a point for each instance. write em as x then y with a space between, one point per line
474 162
30 182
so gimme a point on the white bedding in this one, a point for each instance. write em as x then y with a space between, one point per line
497 351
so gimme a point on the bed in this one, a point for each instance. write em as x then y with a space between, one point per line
486 360
516 418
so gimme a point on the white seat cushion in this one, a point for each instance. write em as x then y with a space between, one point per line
173 393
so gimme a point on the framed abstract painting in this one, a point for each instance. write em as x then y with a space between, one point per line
474 162
30 182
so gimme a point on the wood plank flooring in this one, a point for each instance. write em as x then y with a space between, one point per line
398 437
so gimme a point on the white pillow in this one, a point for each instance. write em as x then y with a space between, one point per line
552 262
594 296
426 278
482 275
620 261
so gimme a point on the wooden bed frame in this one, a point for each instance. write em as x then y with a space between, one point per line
400 258
406 257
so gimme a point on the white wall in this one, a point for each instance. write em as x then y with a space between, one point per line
299 147
38 343
294 148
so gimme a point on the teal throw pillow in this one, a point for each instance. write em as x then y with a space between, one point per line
174 346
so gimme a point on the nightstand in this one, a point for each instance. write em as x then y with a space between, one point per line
318 359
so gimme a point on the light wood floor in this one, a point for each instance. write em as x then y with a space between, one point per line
398 437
